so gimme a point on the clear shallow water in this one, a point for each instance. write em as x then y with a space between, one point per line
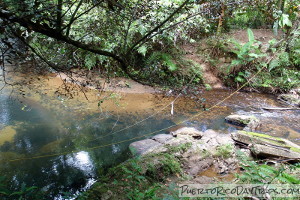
75 140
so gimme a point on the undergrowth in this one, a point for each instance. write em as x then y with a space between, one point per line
169 68
281 64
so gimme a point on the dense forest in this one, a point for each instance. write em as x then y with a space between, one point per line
178 46
143 39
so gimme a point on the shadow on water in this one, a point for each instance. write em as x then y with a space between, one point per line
72 147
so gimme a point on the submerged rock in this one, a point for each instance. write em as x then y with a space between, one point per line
291 99
7 134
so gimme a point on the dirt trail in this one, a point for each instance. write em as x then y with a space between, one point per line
209 76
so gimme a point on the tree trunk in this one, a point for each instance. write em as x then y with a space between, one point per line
221 19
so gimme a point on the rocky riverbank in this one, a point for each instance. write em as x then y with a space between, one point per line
187 155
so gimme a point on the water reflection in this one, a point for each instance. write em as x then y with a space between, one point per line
5 116
45 131
82 161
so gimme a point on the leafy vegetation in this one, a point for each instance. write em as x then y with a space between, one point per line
280 67
225 151
262 173
122 37
137 178
142 39
23 193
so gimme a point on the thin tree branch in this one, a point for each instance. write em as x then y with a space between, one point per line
64 14
85 12
167 28
72 17
159 25
50 32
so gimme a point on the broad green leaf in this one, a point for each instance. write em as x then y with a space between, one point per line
236 62
253 55
239 79
285 21
172 67
273 64
250 35
142 50
291 179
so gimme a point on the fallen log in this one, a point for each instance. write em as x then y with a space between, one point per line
278 108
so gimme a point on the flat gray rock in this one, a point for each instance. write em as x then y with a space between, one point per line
242 120
162 138
268 146
271 151
188 131
142 146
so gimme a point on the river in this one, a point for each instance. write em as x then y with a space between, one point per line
62 144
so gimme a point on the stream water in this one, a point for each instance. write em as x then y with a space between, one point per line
62 145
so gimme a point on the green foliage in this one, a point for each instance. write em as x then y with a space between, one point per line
225 151
207 86
140 177
90 61
180 148
23 193
251 16
255 174
282 78
171 69
150 193
163 60
242 76
284 21
294 46
247 53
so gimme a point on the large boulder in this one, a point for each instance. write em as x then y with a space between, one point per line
162 138
243 120
143 146
265 145
271 151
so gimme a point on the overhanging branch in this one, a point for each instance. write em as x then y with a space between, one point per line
50 32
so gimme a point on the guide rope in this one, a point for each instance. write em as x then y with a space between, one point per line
134 124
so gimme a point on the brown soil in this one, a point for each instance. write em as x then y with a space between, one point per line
262 35
117 84
209 76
